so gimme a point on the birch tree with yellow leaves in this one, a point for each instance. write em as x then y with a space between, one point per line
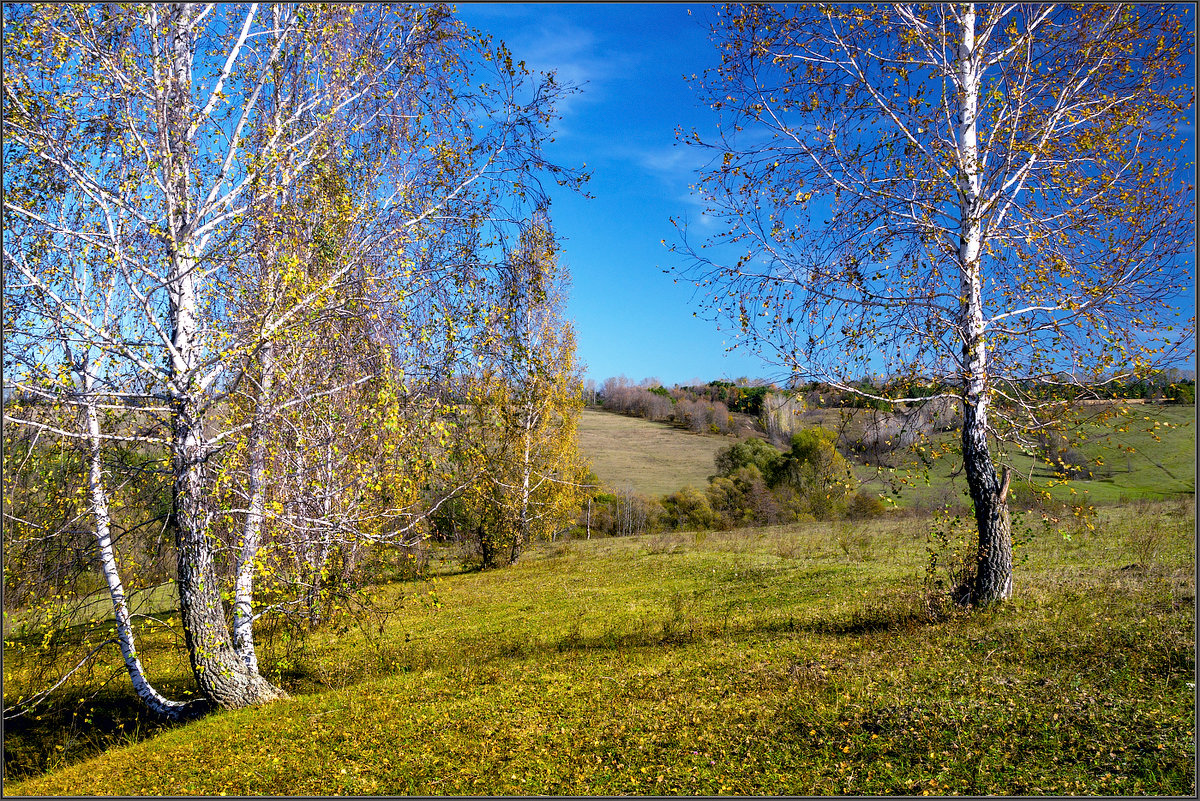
994 198
522 407
157 163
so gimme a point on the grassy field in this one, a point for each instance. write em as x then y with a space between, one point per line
653 458
1162 466
793 660
657 458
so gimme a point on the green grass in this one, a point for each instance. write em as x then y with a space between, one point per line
95 607
793 660
654 458
1162 466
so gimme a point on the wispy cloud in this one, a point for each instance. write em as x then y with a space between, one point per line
547 42
676 167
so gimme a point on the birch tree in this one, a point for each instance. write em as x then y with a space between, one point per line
522 407
154 141
545 397
992 198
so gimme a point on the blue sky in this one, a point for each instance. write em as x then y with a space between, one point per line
631 62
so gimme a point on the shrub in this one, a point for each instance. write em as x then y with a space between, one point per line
743 499
864 506
622 513
781 415
890 431
1181 392
718 414
1023 496
748 400
727 501
688 508
691 414
1064 461
754 452
819 474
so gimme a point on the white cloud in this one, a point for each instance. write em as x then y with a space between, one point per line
547 42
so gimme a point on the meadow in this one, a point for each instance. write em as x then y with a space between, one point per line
812 658
1161 466
652 458
658 458
804 659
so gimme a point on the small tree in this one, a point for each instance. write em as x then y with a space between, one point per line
752 452
990 196
527 476
688 508
821 476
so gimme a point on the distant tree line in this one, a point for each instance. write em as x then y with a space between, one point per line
694 408
706 408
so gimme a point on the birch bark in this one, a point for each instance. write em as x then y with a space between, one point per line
243 602
993 579
223 676
98 504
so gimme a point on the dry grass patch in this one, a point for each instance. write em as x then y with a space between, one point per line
654 458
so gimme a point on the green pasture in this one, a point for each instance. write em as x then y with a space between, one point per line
1162 463
657 458
801 660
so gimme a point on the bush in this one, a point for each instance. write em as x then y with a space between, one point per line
754 452
1023 496
1182 392
726 500
748 400
864 506
819 474
743 499
781 415
688 508
1064 461
887 432
718 418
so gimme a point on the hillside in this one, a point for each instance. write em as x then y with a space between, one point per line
657 458
1162 464
796 660
653 458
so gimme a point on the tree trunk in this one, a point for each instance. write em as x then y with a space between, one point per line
98 505
223 677
523 526
486 551
994 561
993 573
243 602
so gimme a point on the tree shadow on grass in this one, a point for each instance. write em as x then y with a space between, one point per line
72 726
679 628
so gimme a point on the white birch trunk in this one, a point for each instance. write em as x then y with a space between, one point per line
522 535
222 675
993 577
243 601
98 503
